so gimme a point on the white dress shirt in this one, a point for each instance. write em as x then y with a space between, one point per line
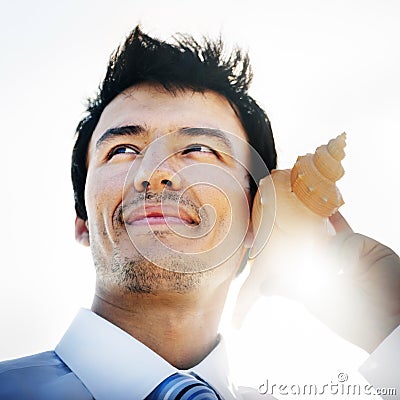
382 368
96 359
114 365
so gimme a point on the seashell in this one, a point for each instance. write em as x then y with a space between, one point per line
313 177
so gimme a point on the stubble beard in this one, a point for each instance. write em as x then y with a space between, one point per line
137 274
134 271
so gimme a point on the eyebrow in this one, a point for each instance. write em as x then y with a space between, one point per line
128 130
137 130
218 134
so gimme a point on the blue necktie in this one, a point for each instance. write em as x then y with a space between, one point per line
182 387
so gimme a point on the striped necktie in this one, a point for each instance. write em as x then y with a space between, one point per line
183 387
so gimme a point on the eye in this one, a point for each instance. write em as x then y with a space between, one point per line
122 149
199 148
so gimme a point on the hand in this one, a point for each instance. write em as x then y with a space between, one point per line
286 232
349 281
362 302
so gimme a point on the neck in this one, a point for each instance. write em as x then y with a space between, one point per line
181 328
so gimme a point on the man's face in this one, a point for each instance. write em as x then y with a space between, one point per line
167 188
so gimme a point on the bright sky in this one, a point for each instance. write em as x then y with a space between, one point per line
321 68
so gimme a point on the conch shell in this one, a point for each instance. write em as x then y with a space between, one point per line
313 177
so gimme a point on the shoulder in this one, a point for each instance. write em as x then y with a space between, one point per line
48 358
39 376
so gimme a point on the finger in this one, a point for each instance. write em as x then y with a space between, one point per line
345 250
339 223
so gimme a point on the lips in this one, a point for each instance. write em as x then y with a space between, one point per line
160 215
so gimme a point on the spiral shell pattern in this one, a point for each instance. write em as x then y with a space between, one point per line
313 177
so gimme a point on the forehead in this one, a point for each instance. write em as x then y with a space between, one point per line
162 112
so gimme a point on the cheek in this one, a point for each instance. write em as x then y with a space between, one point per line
225 188
103 191
228 201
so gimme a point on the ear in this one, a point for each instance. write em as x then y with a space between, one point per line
82 232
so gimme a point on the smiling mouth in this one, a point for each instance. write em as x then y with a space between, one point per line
160 216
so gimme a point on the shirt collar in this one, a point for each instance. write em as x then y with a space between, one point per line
214 369
114 365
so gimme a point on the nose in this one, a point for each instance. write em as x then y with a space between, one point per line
156 172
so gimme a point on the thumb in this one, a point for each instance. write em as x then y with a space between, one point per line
339 223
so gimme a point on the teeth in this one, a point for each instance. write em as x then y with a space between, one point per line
313 177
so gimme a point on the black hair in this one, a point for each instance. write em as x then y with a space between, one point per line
183 64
